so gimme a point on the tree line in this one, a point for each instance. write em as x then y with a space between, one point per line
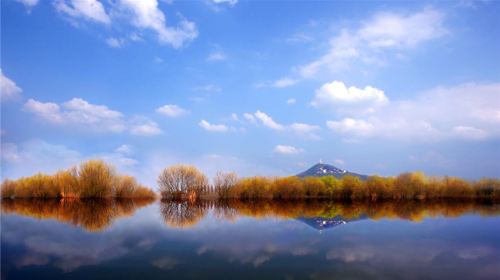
187 183
96 179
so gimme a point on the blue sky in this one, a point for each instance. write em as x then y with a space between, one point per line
256 87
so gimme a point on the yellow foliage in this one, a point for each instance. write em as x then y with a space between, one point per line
92 179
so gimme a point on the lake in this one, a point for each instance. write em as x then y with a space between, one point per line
58 239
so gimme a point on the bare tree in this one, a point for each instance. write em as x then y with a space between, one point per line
179 181
223 182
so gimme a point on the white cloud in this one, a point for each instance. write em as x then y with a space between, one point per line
280 83
171 110
285 82
87 9
469 132
146 14
305 130
302 129
352 126
291 101
216 56
468 111
249 117
336 96
8 88
235 117
376 38
28 3
124 149
229 2
80 114
287 150
388 30
145 127
212 127
47 111
268 121
115 42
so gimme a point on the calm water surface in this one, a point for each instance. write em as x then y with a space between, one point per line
143 240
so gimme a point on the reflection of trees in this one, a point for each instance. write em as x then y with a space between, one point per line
182 214
91 214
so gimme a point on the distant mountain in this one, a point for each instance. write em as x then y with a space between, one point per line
322 169
326 223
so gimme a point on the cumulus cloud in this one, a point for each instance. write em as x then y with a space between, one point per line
8 88
382 34
302 129
287 150
144 127
291 101
268 121
144 14
468 111
212 127
147 15
80 114
172 111
337 97
92 10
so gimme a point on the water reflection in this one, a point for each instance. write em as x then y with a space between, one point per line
320 214
93 215
258 240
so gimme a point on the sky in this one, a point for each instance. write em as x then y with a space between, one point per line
255 87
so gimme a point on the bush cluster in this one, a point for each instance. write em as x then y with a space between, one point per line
92 179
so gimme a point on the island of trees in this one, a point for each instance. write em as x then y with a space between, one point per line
96 179
91 179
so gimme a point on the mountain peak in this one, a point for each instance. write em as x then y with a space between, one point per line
323 169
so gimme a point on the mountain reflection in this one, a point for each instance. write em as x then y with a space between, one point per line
187 214
93 215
